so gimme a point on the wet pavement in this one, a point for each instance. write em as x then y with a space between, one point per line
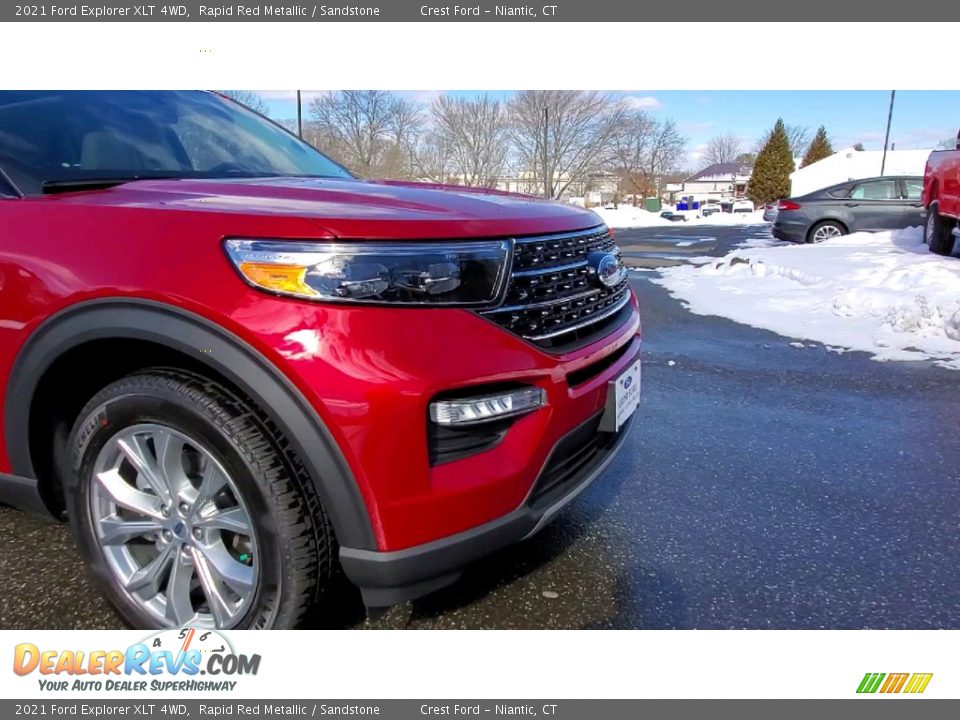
763 486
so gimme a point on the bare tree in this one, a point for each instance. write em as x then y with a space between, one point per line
644 149
433 159
799 137
560 136
370 131
723 149
287 124
406 124
474 135
949 143
248 99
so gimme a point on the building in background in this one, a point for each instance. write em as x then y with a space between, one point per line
850 164
720 181
596 188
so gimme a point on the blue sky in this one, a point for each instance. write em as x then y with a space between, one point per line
920 119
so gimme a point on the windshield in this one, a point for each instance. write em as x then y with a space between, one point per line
60 137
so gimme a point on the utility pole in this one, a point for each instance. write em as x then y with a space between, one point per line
299 117
886 139
547 180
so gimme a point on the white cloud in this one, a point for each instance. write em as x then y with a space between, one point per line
908 139
647 102
695 157
921 138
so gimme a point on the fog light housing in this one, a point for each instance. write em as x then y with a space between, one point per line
486 408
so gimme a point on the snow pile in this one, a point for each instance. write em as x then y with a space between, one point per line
882 293
627 216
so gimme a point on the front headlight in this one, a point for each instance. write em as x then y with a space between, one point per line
395 273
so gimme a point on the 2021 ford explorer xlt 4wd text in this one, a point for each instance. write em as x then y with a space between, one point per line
234 368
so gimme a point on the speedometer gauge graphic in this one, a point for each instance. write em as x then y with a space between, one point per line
189 638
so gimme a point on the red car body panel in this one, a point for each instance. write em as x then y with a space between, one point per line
368 372
941 182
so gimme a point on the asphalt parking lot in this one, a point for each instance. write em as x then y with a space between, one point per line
763 486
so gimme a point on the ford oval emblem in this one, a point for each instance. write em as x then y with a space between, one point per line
627 382
606 268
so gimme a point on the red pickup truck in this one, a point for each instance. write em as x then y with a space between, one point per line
941 198
234 367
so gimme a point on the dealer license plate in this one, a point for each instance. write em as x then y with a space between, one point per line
623 399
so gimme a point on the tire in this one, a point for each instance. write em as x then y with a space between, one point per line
825 230
938 231
234 535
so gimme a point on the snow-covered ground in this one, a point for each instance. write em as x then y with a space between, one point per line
882 293
627 216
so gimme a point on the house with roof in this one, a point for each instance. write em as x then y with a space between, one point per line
720 181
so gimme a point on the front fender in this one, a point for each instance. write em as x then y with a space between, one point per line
212 346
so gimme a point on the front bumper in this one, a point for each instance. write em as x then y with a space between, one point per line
370 373
388 578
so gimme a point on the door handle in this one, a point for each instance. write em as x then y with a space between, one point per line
852 204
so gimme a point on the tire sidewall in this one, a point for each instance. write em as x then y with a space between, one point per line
133 408
811 236
931 226
939 240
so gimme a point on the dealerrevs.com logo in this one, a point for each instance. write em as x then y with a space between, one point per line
174 660
891 683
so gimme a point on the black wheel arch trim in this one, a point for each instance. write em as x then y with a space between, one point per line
23 494
211 345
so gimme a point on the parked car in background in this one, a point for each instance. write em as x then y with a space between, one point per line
673 216
711 208
237 370
871 204
770 211
743 206
941 198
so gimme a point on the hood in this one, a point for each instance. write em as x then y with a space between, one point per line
350 208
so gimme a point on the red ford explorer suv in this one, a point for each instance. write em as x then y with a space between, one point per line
234 368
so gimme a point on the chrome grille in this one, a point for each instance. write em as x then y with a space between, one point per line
551 296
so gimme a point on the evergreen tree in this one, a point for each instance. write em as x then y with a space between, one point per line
771 171
819 149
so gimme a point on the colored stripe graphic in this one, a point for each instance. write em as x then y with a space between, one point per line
870 682
918 682
894 683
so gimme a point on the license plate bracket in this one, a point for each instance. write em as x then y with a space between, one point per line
623 398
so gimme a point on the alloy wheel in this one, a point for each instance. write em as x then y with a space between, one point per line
173 528
826 232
